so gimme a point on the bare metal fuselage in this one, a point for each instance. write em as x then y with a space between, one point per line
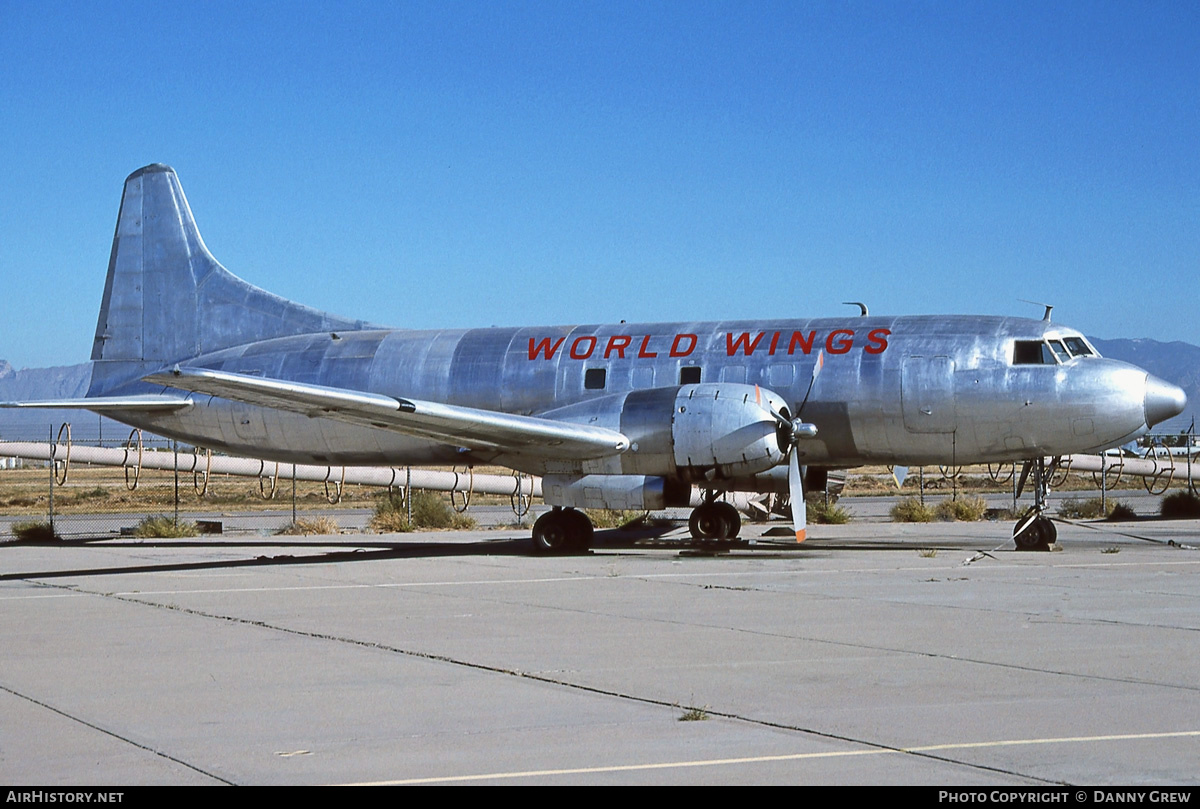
903 390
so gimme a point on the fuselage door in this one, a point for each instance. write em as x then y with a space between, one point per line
927 395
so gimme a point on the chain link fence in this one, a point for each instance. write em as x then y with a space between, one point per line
101 488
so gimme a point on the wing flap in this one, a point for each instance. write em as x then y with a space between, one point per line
458 426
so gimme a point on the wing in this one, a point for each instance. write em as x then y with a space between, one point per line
467 427
101 404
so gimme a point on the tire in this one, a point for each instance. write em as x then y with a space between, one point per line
733 520
709 522
579 531
551 533
1033 532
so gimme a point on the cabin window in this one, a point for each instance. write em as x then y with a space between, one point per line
594 378
689 375
1032 352
642 376
780 375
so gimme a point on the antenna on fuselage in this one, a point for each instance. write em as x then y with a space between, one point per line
1049 307
859 304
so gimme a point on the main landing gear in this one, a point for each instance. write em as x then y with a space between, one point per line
563 530
714 520
1035 531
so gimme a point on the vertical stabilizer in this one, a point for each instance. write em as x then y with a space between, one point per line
166 299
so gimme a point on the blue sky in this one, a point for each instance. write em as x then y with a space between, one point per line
506 163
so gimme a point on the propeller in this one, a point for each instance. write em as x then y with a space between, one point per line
797 429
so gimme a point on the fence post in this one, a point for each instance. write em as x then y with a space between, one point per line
175 452
53 448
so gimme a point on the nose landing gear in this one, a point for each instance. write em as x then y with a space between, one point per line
1035 531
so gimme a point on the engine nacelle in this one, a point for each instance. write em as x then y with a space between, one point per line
703 432
617 492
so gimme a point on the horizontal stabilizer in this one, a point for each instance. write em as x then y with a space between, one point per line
100 404
457 426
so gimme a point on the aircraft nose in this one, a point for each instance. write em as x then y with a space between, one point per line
1163 400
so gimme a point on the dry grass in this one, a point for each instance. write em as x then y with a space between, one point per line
1094 508
822 513
964 509
1181 506
34 531
429 511
877 481
91 490
910 509
310 527
613 518
164 527
1121 512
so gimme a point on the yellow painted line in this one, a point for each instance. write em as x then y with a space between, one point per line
718 762
1123 737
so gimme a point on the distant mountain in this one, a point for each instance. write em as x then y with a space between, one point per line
1176 362
62 382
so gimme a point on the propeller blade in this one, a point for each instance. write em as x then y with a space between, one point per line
820 363
796 493
817 366
1024 476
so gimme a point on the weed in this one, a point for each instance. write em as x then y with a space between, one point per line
1074 508
613 518
1004 514
164 527
428 511
303 527
1181 506
694 715
964 509
910 509
1110 550
391 515
94 493
823 513
927 553
34 532
1121 511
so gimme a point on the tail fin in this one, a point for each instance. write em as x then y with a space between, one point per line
166 298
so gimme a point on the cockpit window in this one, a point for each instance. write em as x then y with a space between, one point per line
1078 347
1060 350
1032 352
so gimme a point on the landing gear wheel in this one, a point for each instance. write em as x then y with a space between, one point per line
550 533
711 521
733 520
1033 532
579 531
562 531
